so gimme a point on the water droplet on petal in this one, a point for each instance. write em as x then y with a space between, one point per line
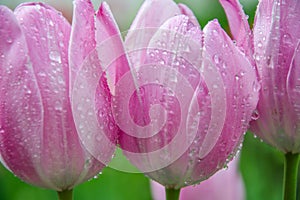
287 39
256 86
51 23
259 44
255 115
216 59
9 40
55 56
58 105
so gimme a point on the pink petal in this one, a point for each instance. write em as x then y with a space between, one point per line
231 89
47 34
238 75
94 86
276 35
158 104
188 12
152 14
239 25
240 87
293 85
21 104
110 46
82 35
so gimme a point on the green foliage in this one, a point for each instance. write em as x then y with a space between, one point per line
262 169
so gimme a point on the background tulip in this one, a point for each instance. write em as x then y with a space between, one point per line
275 50
185 102
39 142
225 184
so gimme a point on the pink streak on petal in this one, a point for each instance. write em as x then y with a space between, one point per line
82 35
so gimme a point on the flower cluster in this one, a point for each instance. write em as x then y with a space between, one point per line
177 99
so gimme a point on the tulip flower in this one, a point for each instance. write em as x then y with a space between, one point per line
273 46
225 184
184 98
39 141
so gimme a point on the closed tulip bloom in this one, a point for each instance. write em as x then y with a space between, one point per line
275 50
224 185
185 100
39 142
273 45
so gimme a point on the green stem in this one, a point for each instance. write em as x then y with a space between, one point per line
65 195
172 194
291 163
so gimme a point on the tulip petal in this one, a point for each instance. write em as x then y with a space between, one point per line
238 75
276 32
293 86
188 12
47 34
82 35
157 118
94 86
21 106
110 46
239 26
152 14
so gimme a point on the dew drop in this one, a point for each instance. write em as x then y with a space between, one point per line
51 23
55 56
255 115
9 40
38 6
257 57
162 62
215 86
28 91
287 39
256 86
151 54
259 44
96 176
61 44
58 105
216 58
98 138
42 74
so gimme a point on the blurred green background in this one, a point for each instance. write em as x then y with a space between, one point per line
261 166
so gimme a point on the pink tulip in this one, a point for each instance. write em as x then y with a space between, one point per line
225 185
39 142
184 101
274 44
